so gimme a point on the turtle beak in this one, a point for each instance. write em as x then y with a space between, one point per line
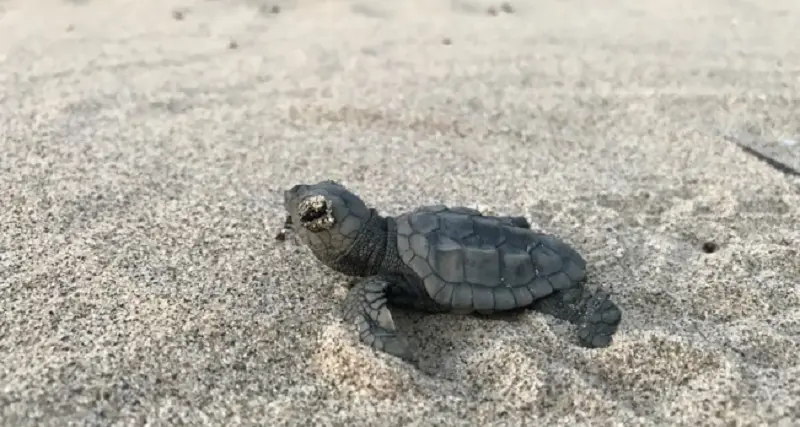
290 196
287 197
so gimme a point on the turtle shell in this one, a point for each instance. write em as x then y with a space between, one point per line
469 262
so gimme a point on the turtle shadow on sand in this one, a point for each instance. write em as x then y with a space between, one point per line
437 341
439 259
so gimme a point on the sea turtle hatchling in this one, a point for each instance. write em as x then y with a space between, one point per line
443 259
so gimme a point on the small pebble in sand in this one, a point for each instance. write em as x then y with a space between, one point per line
789 142
710 247
233 45
178 14
492 11
447 41
506 7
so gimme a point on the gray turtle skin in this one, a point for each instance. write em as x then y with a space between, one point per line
442 259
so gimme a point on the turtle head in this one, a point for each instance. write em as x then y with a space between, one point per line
327 217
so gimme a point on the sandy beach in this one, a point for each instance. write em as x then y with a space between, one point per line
145 146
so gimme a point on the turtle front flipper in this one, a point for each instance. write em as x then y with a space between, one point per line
596 315
365 306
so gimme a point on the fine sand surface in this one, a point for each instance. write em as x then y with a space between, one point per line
146 145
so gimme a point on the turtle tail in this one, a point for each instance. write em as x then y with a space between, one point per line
596 316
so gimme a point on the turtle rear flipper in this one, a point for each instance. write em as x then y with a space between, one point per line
596 315
600 321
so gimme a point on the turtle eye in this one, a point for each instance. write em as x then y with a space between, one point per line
316 213
312 214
